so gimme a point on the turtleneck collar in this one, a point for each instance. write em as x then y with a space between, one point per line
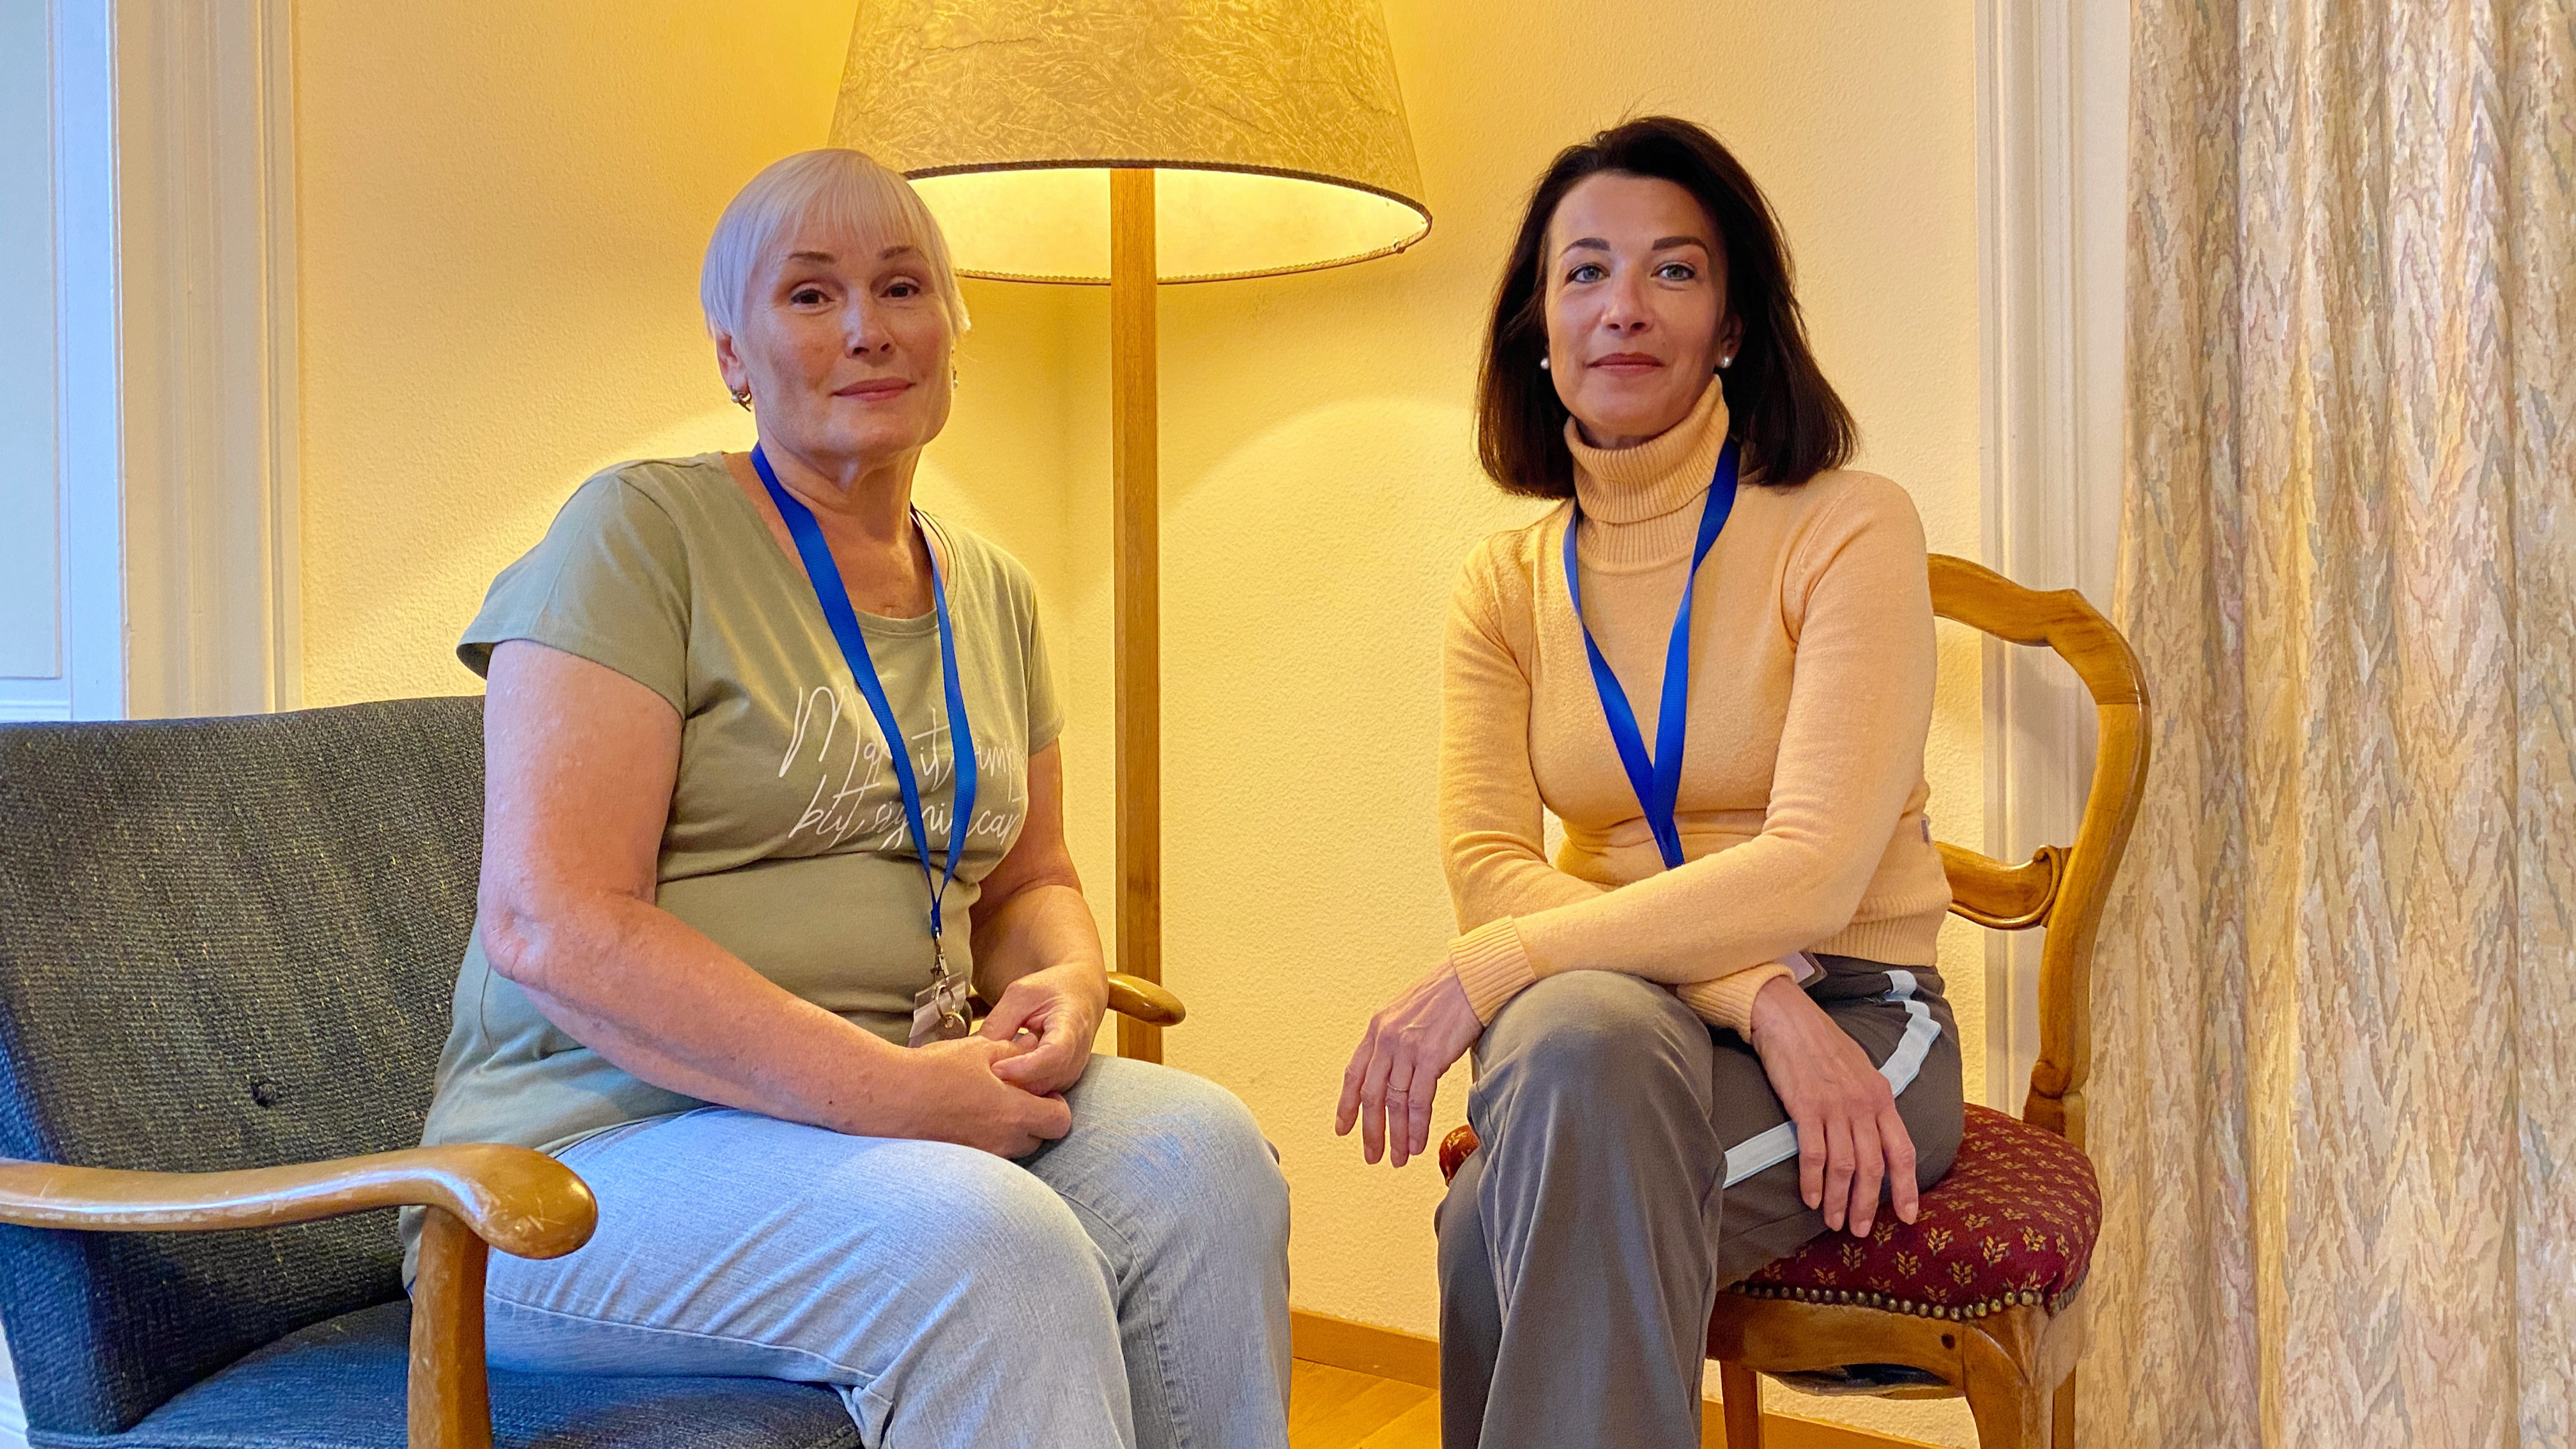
1638 502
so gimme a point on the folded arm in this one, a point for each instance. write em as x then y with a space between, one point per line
1851 754
1494 822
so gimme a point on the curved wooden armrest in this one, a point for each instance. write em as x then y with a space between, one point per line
1144 1000
521 1202
2004 897
524 1203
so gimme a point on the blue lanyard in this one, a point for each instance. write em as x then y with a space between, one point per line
1657 781
835 599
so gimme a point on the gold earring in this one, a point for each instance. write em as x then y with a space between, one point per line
742 398
954 381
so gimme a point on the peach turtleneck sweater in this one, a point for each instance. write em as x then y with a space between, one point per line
1802 791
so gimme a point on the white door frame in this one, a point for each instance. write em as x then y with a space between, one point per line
2052 164
205 159
175 362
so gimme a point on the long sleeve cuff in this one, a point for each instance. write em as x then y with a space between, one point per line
1492 965
1726 1001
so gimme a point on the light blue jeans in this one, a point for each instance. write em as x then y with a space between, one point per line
1125 1287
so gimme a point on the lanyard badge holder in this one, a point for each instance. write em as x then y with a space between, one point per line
1657 780
939 1011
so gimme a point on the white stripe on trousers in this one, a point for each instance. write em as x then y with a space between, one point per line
1778 1145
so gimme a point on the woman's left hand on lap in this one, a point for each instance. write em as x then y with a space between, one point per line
1851 1138
1391 1081
1061 1006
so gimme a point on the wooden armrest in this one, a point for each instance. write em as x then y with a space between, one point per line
524 1203
1144 1000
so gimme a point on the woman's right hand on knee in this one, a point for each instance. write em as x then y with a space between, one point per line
1850 1139
948 1093
1394 1076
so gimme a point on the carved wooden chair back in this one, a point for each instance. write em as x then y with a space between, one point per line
2061 889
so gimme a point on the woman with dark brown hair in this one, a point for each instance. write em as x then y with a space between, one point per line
1709 1029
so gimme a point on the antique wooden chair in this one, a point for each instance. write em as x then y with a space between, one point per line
1983 1294
229 944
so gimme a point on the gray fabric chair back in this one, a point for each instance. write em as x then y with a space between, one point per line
224 943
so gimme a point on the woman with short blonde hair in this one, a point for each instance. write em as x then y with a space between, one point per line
773 782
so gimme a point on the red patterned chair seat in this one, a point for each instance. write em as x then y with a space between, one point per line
2012 1223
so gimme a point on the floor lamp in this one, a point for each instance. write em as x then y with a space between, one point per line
1104 141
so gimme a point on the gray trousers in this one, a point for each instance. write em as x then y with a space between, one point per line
1629 1166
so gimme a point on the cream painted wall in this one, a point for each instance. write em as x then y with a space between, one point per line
502 209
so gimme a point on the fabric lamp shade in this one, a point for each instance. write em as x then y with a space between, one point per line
1274 127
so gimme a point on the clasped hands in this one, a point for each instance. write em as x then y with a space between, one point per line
1002 1089
1851 1142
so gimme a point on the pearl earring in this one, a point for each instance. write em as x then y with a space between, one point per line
1726 362
1542 362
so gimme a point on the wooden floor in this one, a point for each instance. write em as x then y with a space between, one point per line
1339 1408
1334 1408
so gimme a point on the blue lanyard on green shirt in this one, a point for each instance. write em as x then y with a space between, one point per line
1657 781
835 599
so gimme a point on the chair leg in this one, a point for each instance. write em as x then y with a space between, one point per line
1741 1388
2011 1412
2062 1430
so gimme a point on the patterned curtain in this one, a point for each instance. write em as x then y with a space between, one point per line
2335 1106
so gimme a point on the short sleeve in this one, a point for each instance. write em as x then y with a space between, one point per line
608 583
1046 709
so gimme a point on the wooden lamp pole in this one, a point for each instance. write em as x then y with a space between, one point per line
1132 437
1273 129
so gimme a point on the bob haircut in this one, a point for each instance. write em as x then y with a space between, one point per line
1785 415
835 187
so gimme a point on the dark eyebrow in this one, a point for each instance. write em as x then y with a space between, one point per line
1594 243
825 258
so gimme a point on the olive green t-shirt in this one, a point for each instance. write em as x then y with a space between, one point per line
787 842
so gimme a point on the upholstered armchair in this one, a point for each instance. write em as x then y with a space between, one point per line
227 948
